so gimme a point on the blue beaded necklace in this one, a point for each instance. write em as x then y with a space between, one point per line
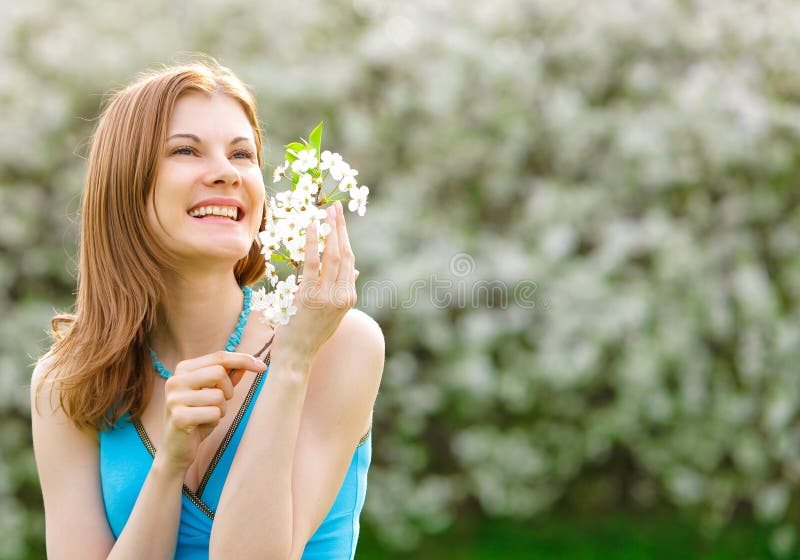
233 341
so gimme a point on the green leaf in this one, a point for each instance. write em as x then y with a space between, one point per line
279 257
332 197
295 147
338 196
315 138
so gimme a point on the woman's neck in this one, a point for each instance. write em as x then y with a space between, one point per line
197 317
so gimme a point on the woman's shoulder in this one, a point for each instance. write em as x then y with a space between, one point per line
357 337
358 329
352 358
45 396
345 378
43 378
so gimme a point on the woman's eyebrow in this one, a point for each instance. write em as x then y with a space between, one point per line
183 135
197 138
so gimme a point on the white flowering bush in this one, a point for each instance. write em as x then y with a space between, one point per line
637 161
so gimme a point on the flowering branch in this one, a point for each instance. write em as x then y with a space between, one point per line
293 210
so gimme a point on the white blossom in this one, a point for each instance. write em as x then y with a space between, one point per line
307 186
348 172
347 183
269 240
271 273
359 200
329 159
305 160
280 172
338 167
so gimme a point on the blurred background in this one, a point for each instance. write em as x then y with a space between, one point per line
582 246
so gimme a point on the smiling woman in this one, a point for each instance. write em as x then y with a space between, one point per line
178 432
208 167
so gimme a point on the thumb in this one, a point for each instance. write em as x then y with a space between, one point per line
357 273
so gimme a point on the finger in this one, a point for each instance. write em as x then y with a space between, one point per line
186 417
207 396
348 259
238 374
330 257
311 266
214 376
212 370
228 360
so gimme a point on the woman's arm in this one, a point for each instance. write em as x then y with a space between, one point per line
265 510
297 445
254 515
152 528
338 412
68 464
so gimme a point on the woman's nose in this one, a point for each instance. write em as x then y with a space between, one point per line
223 172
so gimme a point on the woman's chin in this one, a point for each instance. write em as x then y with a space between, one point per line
218 254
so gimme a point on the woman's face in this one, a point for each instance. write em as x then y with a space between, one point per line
208 199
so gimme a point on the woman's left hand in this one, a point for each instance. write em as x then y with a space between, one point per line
323 296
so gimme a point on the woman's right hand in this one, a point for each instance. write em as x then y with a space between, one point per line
195 401
325 294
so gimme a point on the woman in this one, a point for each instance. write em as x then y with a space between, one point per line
141 438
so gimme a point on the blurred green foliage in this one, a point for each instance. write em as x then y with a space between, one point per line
620 536
636 160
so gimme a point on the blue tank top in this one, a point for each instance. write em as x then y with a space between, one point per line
126 455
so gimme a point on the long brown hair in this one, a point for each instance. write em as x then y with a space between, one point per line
100 351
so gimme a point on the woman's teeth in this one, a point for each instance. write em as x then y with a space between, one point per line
231 212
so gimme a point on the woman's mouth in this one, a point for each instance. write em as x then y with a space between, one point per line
229 212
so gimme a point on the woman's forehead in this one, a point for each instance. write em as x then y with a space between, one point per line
209 116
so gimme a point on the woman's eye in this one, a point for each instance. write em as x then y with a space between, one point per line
243 154
189 151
